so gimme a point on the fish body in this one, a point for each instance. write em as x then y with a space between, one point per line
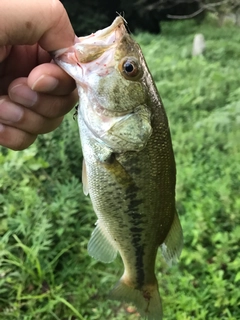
129 167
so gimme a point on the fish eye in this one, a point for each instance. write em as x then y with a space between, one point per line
130 67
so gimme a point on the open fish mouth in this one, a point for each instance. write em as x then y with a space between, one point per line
91 47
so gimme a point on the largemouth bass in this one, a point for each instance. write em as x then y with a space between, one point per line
129 167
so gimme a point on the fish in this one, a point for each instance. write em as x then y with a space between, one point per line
129 169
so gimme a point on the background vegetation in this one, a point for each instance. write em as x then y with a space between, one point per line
45 271
88 16
146 15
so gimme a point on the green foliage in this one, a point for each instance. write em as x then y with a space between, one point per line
46 222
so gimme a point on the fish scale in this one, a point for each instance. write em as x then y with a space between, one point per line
129 167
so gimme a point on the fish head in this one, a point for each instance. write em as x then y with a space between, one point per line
108 69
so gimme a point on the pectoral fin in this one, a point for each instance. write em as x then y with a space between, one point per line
101 246
84 178
172 246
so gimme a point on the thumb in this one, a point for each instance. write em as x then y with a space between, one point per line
40 21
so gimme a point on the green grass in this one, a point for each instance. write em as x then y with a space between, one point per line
46 221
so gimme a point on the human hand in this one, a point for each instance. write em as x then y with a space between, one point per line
34 93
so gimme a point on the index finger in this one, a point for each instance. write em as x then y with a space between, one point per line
28 22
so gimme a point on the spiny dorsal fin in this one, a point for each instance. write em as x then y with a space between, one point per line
172 246
101 246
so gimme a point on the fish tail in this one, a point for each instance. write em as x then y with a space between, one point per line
147 300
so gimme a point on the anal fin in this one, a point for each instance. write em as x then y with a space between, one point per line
172 245
101 246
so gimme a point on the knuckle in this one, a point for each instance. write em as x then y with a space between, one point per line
15 139
21 140
23 143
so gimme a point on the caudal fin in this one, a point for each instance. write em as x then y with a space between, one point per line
147 300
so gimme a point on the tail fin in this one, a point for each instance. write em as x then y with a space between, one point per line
147 300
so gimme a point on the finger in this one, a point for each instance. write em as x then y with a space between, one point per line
17 116
21 60
49 77
14 138
4 52
28 22
49 106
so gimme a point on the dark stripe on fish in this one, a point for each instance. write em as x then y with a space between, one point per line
136 220
139 252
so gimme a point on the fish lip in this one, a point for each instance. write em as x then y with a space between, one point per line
101 35
117 22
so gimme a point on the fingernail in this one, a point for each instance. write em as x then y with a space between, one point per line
9 111
45 83
22 94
